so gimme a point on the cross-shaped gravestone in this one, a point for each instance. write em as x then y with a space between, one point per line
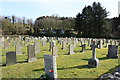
50 66
113 51
31 53
94 62
71 49
10 58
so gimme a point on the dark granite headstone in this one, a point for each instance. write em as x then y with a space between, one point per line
112 51
10 58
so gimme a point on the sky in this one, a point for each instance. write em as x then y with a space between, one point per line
33 9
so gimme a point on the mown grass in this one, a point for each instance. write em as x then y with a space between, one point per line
68 66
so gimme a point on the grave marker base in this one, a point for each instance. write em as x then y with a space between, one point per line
94 62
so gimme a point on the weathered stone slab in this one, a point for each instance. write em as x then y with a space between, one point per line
50 65
18 49
31 53
71 49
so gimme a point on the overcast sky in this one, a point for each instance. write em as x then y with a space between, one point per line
67 8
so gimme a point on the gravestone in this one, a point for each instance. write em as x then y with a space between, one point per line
50 65
44 41
10 58
63 44
94 62
37 46
89 42
71 49
111 42
31 53
52 44
69 41
99 44
18 49
83 47
112 51
116 43
54 51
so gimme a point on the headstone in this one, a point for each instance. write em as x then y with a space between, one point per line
63 45
71 49
83 47
112 51
69 41
111 42
37 46
50 66
18 49
89 42
44 41
31 53
54 51
52 44
99 44
116 43
94 62
10 58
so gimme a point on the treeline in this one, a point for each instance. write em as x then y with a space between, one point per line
15 25
91 22
54 22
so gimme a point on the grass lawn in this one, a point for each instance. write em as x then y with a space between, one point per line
68 66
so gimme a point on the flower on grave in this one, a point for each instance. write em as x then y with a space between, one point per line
51 70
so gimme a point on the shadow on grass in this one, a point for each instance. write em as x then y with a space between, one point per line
2 65
42 69
40 57
79 67
103 58
22 61
76 51
25 52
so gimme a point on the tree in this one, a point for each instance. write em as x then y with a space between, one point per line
91 22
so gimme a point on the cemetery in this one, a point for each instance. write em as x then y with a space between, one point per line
73 45
58 57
